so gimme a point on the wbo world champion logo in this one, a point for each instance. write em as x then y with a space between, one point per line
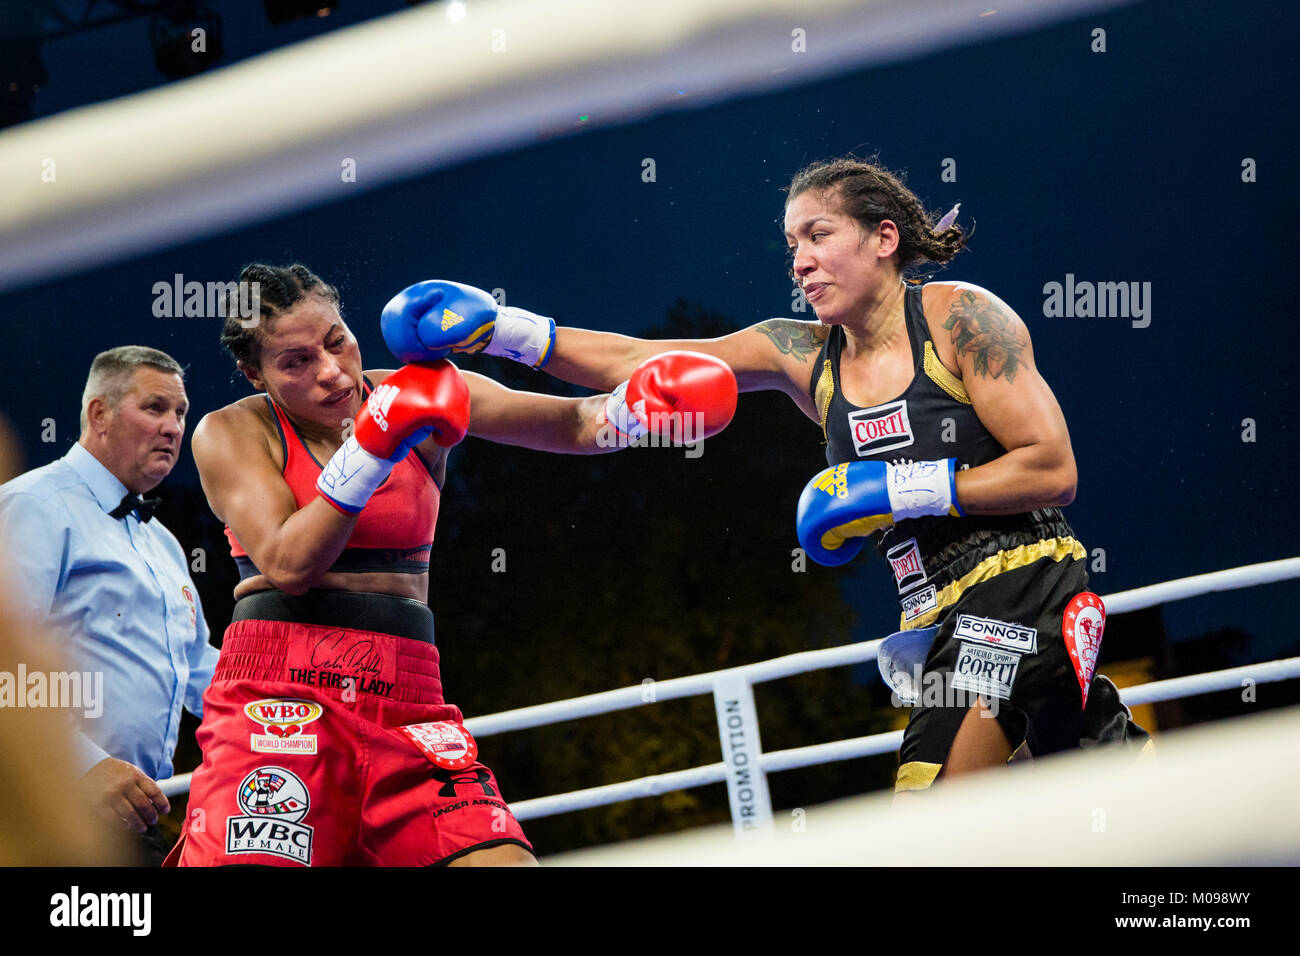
283 720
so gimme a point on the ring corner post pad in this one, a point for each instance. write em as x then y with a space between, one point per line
751 805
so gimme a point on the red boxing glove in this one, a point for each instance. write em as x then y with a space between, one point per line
416 400
411 404
685 396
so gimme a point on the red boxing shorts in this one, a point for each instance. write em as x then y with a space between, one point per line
332 746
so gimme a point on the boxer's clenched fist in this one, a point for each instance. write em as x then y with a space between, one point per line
845 503
413 403
681 396
432 319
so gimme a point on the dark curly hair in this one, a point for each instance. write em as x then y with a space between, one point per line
870 193
280 288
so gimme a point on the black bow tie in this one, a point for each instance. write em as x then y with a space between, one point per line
144 507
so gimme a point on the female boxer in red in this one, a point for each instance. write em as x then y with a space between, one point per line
941 436
326 740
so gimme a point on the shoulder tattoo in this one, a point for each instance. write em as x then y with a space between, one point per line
985 331
800 339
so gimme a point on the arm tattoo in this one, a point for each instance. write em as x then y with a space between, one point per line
984 331
800 339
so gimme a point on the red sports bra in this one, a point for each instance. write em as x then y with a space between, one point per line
395 530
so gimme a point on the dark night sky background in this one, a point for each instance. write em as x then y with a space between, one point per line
1115 166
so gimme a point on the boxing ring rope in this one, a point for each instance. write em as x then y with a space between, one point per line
412 92
625 698
875 744
737 685
1247 575
1222 794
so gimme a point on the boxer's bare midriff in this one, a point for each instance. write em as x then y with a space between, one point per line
414 586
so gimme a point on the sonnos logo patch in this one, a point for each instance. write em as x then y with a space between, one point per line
1003 634
918 602
881 428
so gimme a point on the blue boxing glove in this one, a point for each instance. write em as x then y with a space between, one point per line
845 503
432 319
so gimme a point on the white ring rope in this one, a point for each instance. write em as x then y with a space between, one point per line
876 744
1233 678
795 758
175 785
1221 794
652 786
1246 576
411 92
627 697
605 702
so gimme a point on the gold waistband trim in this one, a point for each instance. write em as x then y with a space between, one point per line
1058 549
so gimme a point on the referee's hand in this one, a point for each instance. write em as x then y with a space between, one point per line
123 795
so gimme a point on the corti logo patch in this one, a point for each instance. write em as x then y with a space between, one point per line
905 560
985 670
881 428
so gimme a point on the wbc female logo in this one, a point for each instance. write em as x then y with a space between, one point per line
1082 625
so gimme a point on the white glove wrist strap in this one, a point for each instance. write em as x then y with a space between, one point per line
352 475
522 336
620 417
919 488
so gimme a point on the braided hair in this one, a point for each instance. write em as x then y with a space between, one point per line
870 193
280 288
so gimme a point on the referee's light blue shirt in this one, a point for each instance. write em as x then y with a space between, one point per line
118 599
